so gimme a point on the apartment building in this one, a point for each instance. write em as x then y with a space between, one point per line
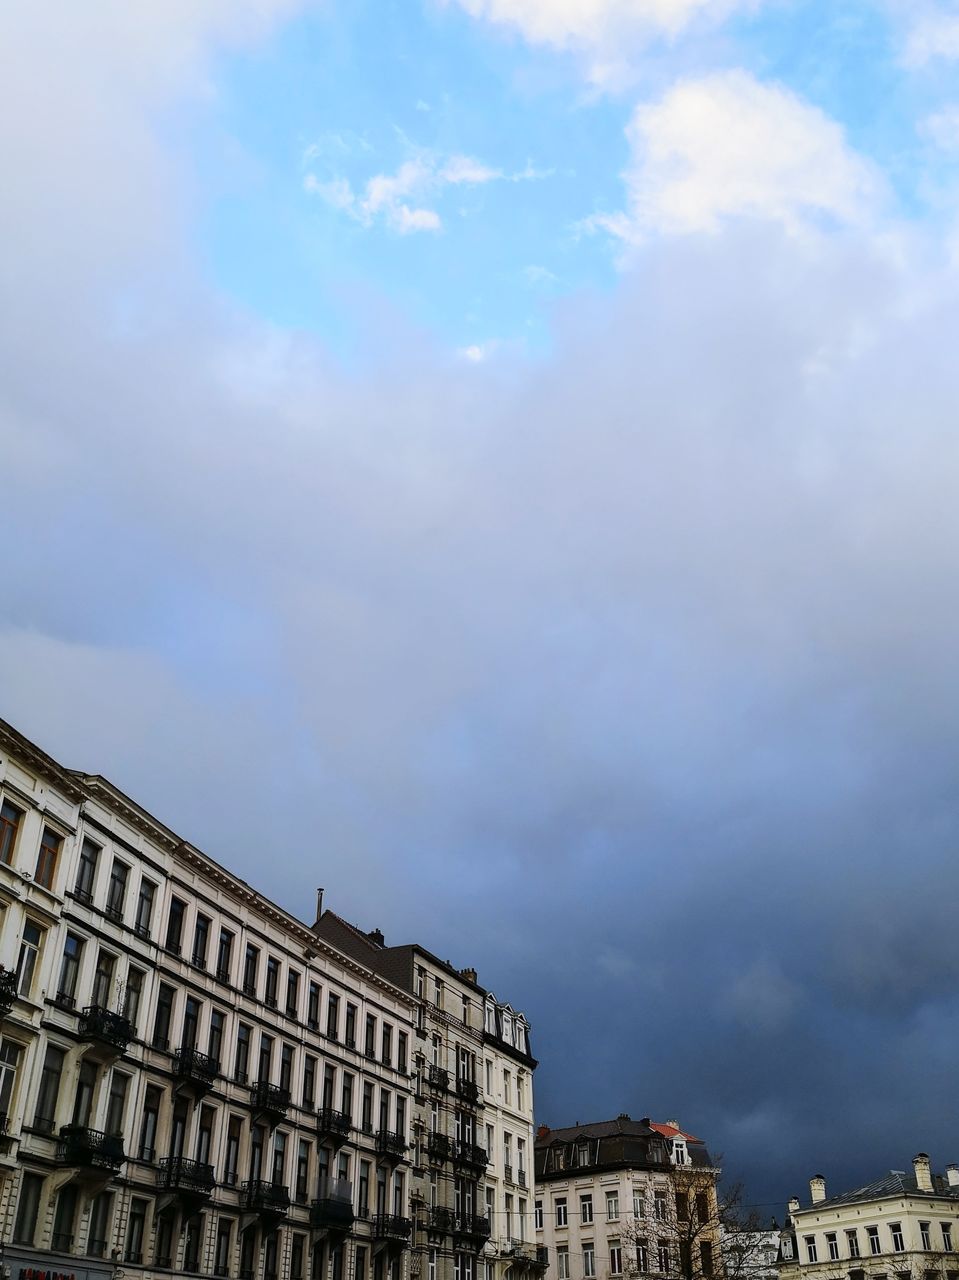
472 1115
192 1081
904 1225
626 1197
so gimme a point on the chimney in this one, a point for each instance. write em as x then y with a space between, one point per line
319 904
542 1133
952 1174
817 1188
673 1124
794 1206
468 974
920 1164
376 936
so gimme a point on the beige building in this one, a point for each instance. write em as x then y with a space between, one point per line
472 1115
904 1225
192 1081
626 1197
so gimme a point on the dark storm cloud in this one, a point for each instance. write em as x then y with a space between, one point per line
628 677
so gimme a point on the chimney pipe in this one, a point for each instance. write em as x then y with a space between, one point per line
920 1164
319 903
542 1132
817 1188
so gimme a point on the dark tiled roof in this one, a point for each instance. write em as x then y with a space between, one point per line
895 1183
618 1143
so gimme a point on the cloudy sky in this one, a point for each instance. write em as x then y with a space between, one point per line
497 459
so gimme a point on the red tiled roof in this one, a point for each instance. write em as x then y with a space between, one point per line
670 1131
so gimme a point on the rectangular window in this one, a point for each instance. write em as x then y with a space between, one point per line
101 1215
270 995
309 1082
874 1246
286 1067
925 1235
86 871
174 926
329 1087
303 1171
832 1246
117 889
663 1261
217 1027
103 980
615 1258
69 970
386 1043
224 956
292 994
538 1215
811 1254
333 1016
265 1065
895 1230
145 901
659 1206
946 1229
148 1125
47 859
642 1255
27 958
233 1134
586 1209
561 1217
28 1208
116 1104
313 1007
370 1045
402 1051
706 1257
132 995
50 1077
136 1223
612 1206
224 1238
297 1250
164 1015
639 1204
562 1262
251 963
852 1243
589 1261
350 1026
201 940
366 1121
241 1066
9 1061
10 819
193 1236
191 1022
346 1095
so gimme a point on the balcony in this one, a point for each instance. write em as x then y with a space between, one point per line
270 1100
110 1031
390 1145
441 1220
190 1178
8 990
439 1147
265 1199
469 1153
89 1150
333 1209
195 1068
387 1226
438 1077
473 1227
533 1255
468 1090
333 1125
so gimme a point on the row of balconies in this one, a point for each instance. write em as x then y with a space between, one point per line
471 1226
441 1148
439 1078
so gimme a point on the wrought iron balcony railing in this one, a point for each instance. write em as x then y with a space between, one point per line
333 1124
438 1077
81 1148
468 1090
387 1226
199 1068
473 1225
8 990
439 1147
469 1153
332 1210
105 1027
391 1145
268 1199
270 1098
176 1173
441 1220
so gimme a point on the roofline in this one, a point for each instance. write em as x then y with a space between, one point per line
839 1202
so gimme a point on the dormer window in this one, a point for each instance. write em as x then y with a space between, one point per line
680 1154
582 1154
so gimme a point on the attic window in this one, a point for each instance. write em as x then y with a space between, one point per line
582 1154
679 1151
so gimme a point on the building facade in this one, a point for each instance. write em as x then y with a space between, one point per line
472 1115
626 1197
905 1225
191 1080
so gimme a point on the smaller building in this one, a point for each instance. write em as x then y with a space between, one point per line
750 1252
903 1226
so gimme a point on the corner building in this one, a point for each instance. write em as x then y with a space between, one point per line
472 1115
192 1081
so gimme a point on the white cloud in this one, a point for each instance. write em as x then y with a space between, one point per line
725 146
565 23
387 196
934 34
942 128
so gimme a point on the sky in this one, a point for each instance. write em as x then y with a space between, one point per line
497 460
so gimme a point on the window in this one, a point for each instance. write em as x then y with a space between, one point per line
895 1230
116 1104
148 1125
386 1044
69 970
351 1026
662 1258
333 1016
101 1215
359 1269
265 1065
224 955
642 1255
103 979
117 889
615 1258
329 1090
703 1213
251 963
191 1245
132 995
86 871
270 1256
363 1190
217 1026
682 1206
224 1236
10 819
589 1261
201 940
241 1066
366 1122
313 1006
811 1254
233 1134
28 1207
346 1095
286 1067
164 1014
874 1246
191 1022
50 1077
270 995
612 1206
9 1061
302 1185
296 1256
538 1215
706 1257
279 1158
309 1082
50 846
586 1208
174 926
402 1050
27 958
561 1215
136 1222
946 1229
562 1262
852 1243
925 1236
145 900
832 1246
292 994
370 1046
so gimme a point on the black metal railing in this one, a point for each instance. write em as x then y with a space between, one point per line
469 1153
467 1089
438 1077
332 1210
439 1147
392 1145
332 1124
199 1068
105 1027
441 1219
175 1173
474 1225
270 1098
8 990
81 1148
269 1199
4 1124
387 1226
62 1241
